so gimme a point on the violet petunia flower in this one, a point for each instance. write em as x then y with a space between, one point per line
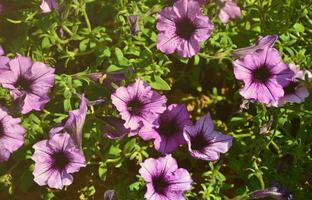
29 83
73 124
295 91
204 142
48 5
168 134
182 28
164 179
264 75
229 10
276 191
11 134
138 104
55 160
261 43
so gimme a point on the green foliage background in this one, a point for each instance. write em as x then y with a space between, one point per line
97 39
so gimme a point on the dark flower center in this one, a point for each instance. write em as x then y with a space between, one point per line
23 84
60 159
185 28
168 128
291 88
262 74
160 184
1 129
135 107
199 142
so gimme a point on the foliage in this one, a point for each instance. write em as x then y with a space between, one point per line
97 38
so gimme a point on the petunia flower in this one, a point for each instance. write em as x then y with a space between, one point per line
11 134
73 124
48 5
29 83
138 104
295 91
261 43
229 10
164 179
168 134
264 75
181 28
55 160
276 191
204 142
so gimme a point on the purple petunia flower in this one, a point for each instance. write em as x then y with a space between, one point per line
182 28
73 124
55 160
276 191
264 75
11 134
138 104
229 10
204 142
29 83
168 134
261 43
48 5
164 179
295 91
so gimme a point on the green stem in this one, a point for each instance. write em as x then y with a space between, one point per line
243 135
67 30
84 12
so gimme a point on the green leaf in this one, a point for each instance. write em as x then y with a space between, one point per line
159 84
102 171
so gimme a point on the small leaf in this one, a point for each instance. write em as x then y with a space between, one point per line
159 84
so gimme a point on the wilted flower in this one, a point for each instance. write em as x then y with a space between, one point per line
73 124
138 104
164 179
182 28
29 83
1 51
110 195
107 79
11 134
133 21
229 10
261 43
168 134
295 91
114 128
276 191
55 160
48 5
264 75
266 127
204 142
